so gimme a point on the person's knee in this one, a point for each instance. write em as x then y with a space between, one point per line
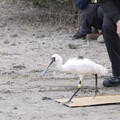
91 10
92 7
100 13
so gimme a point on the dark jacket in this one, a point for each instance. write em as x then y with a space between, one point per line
82 4
111 8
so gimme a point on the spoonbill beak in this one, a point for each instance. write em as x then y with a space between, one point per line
45 70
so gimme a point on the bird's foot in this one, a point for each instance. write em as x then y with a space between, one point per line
69 101
96 91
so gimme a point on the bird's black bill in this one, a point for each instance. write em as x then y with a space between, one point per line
45 70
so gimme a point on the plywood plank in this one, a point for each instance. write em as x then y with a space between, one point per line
90 101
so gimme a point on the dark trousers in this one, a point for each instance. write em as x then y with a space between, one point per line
92 16
112 43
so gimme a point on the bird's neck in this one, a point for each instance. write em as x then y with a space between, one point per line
59 67
59 64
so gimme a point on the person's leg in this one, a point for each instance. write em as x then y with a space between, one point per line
100 14
89 18
113 47
98 20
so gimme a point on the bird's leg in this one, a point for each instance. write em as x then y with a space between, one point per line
96 88
79 87
73 96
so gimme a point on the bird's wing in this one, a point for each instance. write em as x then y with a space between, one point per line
81 66
77 66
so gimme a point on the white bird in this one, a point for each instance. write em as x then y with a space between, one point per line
80 66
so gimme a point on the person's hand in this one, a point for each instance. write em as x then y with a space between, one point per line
118 28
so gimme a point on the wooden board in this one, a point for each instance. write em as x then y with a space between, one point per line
90 101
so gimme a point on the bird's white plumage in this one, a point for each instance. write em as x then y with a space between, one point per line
80 66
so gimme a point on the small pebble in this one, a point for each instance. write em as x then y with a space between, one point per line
6 42
100 39
15 108
73 46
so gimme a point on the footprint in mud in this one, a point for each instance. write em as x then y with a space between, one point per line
8 72
3 25
41 36
6 41
19 67
35 71
46 98
1 98
14 35
7 92
13 44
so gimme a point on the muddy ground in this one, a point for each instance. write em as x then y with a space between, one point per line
26 45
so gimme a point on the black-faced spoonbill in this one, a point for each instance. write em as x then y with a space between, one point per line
80 66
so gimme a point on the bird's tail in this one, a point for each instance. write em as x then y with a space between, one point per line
102 70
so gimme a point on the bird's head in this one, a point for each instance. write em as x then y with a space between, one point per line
57 58
54 58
